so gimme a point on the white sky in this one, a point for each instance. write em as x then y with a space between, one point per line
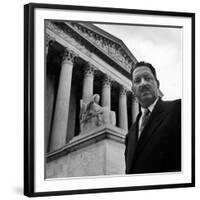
160 46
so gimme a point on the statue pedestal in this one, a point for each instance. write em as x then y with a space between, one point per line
100 152
107 117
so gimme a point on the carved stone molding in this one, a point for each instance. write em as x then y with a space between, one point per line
68 35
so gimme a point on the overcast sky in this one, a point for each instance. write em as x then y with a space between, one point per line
160 46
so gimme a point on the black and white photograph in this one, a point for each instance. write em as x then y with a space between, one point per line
111 100
100 80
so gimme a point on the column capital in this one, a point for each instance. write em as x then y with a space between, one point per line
106 80
123 115
49 39
89 69
133 96
68 56
122 91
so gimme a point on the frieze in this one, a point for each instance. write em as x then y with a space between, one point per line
112 49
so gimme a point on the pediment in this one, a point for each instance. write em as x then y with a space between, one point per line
109 44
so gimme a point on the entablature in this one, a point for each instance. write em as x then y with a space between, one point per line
92 42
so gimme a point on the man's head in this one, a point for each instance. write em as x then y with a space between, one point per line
145 83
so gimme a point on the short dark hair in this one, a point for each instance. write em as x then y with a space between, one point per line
150 66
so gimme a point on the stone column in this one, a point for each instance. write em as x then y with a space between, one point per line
49 93
123 115
135 108
88 83
49 101
106 92
59 129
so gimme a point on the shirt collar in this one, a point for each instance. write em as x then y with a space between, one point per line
151 107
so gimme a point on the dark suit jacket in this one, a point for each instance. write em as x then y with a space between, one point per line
159 146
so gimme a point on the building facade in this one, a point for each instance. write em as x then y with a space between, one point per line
89 104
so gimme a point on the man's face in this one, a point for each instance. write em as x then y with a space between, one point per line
145 86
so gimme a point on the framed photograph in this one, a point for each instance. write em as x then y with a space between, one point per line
108 99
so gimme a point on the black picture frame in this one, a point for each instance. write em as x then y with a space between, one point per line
29 97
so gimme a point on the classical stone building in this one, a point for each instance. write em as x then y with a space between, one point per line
89 105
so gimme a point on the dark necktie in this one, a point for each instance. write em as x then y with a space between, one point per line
145 118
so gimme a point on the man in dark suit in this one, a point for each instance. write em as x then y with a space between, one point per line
153 143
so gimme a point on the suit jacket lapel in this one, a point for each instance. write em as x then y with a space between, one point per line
155 120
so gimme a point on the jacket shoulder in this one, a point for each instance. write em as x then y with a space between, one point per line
173 103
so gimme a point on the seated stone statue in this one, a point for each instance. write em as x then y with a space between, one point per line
93 115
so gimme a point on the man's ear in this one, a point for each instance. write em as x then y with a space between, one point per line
160 94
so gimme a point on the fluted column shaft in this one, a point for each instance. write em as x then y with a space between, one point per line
59 129
135 109
88 83
123 115
106 92
50 92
